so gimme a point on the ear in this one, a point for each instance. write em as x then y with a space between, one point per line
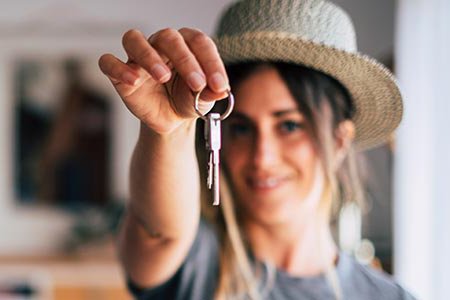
344 136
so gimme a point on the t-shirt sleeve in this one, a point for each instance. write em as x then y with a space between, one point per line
197 276
370 283
390 289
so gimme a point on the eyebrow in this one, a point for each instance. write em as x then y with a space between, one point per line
277 114
285 112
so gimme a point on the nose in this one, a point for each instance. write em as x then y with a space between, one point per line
266 152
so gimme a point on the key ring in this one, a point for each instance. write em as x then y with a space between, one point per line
224 115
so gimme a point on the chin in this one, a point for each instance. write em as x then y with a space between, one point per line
269 210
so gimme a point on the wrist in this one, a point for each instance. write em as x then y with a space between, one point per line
185 129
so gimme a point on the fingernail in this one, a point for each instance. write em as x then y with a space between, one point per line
129 78
196 81
159 72
218 82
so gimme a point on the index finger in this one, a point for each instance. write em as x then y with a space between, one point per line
140 51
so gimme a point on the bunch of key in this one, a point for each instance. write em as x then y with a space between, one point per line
213 143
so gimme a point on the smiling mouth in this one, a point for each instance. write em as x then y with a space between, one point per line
266 184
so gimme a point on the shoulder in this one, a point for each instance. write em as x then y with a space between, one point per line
364 282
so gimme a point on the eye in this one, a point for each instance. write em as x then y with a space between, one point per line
290 126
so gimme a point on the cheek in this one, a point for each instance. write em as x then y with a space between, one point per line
306 154
302 157
234 156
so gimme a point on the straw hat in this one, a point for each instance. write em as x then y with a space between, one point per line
319 35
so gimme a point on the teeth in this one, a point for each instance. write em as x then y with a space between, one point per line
267 183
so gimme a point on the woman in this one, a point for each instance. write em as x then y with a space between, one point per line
304 100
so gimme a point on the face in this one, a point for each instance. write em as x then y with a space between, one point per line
269 155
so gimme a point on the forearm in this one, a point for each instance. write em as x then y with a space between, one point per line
164 182
164 207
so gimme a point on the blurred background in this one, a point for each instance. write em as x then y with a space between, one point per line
66 140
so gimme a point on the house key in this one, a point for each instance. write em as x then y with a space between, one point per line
213 143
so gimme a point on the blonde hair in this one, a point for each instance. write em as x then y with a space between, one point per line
238 278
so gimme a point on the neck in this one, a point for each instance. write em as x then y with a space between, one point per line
305 248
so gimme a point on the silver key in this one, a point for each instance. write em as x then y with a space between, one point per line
213 145
213 142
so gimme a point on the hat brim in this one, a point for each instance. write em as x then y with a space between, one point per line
376 96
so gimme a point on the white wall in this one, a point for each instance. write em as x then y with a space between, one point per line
422 178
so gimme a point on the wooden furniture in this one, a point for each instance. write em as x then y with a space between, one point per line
68 277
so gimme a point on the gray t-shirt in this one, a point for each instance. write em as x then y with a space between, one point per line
196 279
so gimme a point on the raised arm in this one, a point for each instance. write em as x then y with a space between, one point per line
163 212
